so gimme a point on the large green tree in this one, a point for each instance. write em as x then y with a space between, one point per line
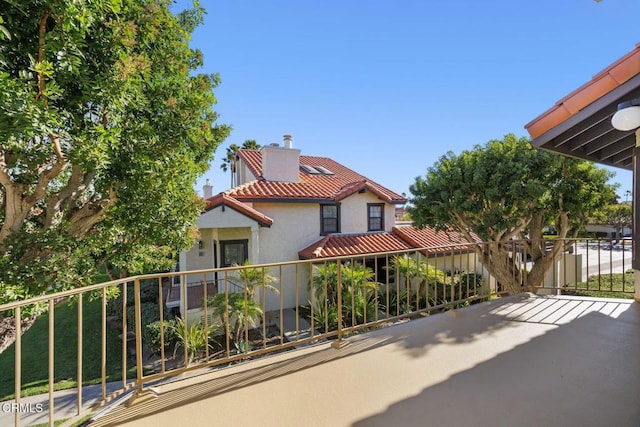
617 215
105 126
508 190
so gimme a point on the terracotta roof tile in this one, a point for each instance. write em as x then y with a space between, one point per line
437 241
343 183
223 199
602 83
353 244
400 239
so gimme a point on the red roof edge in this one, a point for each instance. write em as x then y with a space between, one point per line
353 188
244 154
601 84
222 199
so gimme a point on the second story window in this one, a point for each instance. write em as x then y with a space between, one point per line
375 217
329 219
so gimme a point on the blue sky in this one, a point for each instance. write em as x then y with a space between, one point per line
386 88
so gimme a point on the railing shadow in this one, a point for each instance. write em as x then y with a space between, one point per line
544 363
409 335
207 388
582 372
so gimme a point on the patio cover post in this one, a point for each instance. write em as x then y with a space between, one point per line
635 263
255 244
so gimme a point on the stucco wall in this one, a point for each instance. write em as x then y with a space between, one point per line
280 164
243 174
202 259
296 226
198 259
353 211
606 229
222 217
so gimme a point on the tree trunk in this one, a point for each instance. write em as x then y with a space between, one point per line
499 259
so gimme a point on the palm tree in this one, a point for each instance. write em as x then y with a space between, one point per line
358 291
359 300
410 268
239 311
256 277
194 339
229 161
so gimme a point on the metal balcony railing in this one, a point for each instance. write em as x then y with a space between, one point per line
228 315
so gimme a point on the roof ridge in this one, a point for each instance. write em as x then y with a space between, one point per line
341 184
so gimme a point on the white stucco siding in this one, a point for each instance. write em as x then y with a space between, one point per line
608 230
295 226
199 259
354 214
203 259
469 262
280 164
220 223
243 174
224 217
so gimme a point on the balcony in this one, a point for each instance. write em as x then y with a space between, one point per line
449 355
520 360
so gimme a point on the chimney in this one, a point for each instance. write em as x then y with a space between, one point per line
207 189
288 141
281 163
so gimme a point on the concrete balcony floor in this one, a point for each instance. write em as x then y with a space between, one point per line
517 361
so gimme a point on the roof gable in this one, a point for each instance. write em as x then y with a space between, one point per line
223 200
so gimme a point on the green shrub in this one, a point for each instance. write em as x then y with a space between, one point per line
325 316
148 294
358 292
151 335
194 339
149 313
236 313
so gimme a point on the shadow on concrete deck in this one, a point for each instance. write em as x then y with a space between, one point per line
520 360
585 373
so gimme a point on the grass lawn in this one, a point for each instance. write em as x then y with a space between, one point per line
605 286
35 368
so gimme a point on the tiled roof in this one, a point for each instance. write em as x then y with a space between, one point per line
353 244
602 83
439 241
401 238
343 183
243 208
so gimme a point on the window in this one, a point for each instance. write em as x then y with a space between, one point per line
234 252
329 219
375 216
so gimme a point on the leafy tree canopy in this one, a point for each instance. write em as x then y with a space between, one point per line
617 215
508 189
104 128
